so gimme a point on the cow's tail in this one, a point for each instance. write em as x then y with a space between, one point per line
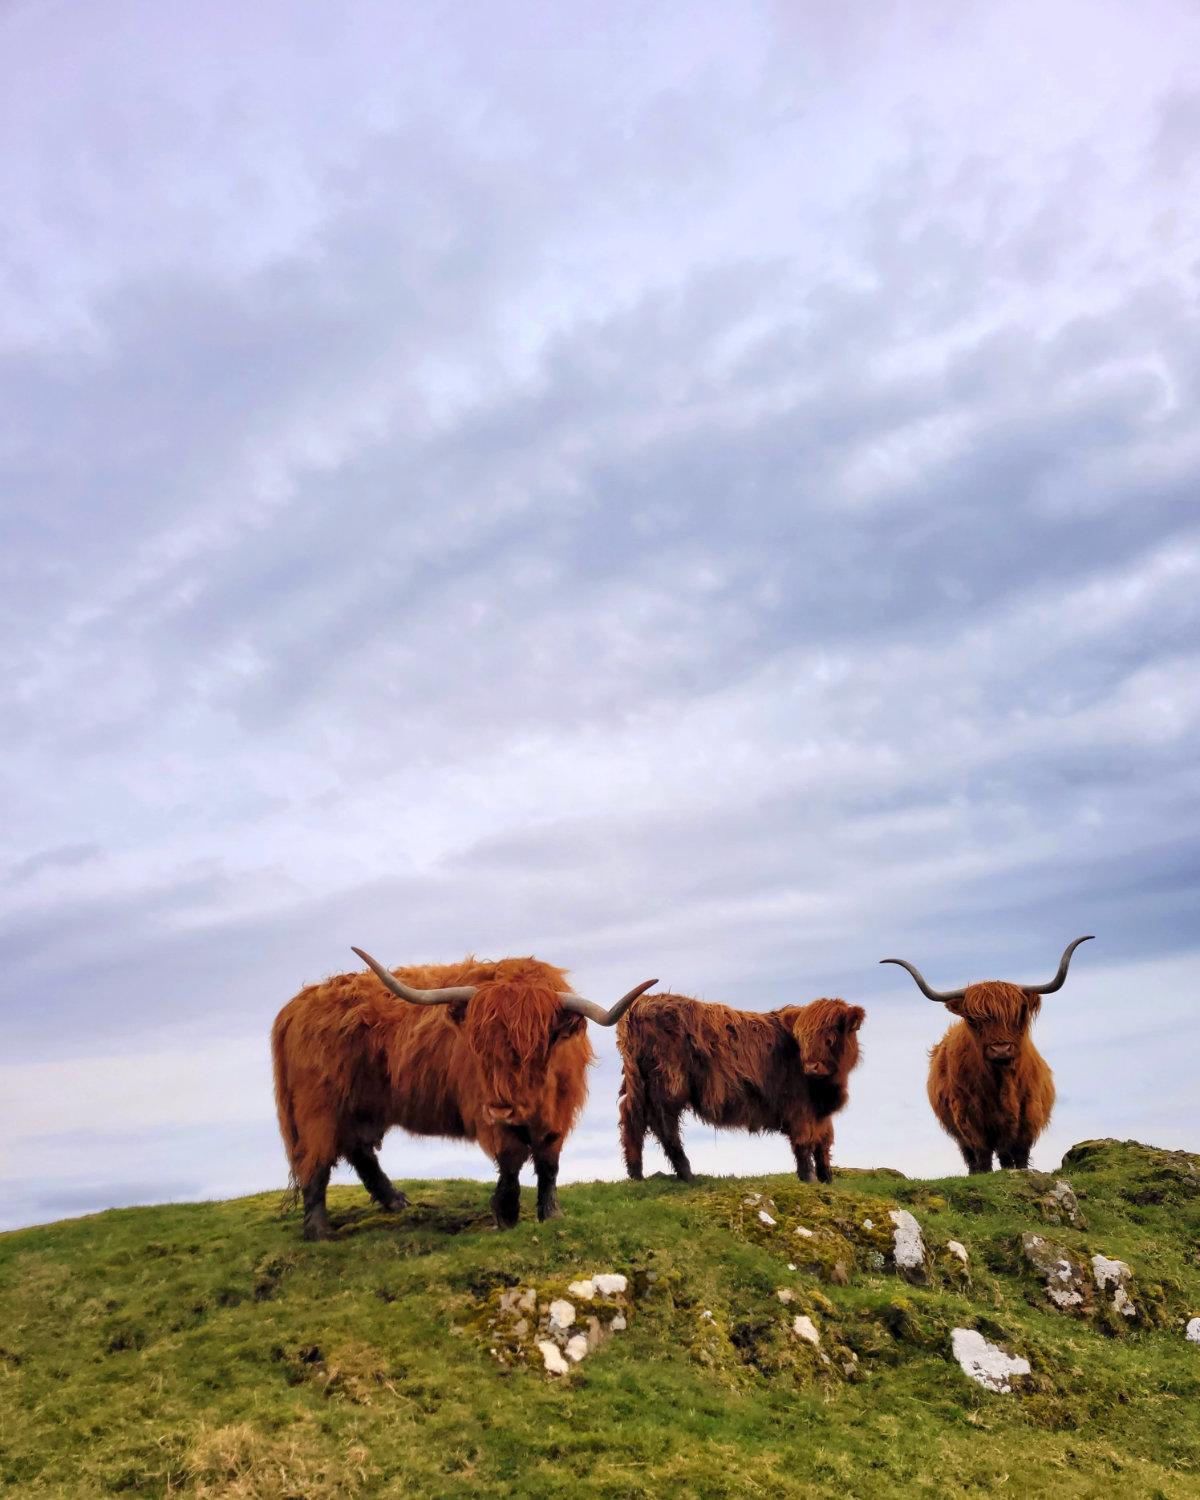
285 1109
631 1100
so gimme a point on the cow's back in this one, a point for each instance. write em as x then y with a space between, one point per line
723 1064
352 1059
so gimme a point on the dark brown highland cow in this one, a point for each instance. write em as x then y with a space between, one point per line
989 1086
489 1052
781 1070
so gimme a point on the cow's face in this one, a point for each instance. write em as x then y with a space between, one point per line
514 1027
997 1017
517 1079
826 1034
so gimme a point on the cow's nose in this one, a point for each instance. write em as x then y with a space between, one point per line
1001 1051
501 1112
818 1070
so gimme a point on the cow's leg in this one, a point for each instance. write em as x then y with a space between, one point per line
805 1167
633 1122
375 1180
977 1158
1018 1156
821 1157
666 1127
506 1200
316 1220
545 1162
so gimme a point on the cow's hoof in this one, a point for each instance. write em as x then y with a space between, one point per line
551 1211
395 1203
317 1229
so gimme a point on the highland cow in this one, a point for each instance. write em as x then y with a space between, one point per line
782 1070
991 1089
489 1052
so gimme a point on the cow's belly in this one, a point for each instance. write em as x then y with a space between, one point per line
734 1110
445 1121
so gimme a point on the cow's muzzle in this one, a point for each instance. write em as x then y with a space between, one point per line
1001 1052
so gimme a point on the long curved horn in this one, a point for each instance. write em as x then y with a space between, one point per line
940 995
1057 982
597 1013
418 997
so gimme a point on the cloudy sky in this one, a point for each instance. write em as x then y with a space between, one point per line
706 491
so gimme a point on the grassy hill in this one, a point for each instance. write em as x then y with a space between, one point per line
204 1350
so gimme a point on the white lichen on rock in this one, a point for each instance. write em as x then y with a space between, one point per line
908 1243
611 1284
956 1247
1192 1331
984 1363
562 1314
552 1356
804 1327
766 1218
805 1234
1064 1283
1114 1276
1109 1272
577 1347
584 1290
1061 1199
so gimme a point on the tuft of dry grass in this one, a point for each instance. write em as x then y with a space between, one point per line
238 1462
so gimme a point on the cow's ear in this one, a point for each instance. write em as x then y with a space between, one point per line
457 1011
855 1017
566 1023
955 1007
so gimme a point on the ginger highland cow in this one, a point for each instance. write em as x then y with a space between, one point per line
989 1086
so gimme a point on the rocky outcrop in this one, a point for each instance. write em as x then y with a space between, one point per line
1066 1279
1061 1206
836 1239
1093 1286
531 1326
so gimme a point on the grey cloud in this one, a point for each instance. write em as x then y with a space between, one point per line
62 855
1177 137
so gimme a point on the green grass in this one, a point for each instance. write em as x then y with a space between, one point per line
204 1350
